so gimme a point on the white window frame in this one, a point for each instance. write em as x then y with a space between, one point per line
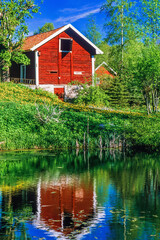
60 44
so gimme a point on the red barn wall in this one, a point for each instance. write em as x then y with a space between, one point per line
54 64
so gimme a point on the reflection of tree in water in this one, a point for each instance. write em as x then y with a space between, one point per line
13 222
138 184
31 164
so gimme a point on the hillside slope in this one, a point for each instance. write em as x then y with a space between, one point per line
38 119
10 92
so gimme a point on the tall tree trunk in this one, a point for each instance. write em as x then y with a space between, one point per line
155 100
122 39
147 101
5 76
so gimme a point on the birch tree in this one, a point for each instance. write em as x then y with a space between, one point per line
92 32
149 20
119 23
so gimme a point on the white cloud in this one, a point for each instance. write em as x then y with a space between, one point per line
66 15
76 10
70 19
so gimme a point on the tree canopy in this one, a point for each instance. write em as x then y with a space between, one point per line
13 30
92 31
45 28
133 33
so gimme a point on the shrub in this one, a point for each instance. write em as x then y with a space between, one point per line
92 96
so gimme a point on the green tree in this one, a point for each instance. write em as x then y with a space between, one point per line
45 28
149 20
119 22
117 92
92 32
13 29
143 68
111 56
105 57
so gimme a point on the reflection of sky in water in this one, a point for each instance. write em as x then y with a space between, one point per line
36 233
102 229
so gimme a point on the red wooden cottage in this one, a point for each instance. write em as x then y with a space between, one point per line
57 58
104 70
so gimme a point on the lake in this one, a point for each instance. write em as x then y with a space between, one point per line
79 195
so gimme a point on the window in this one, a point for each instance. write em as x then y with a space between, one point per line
65 45
22 72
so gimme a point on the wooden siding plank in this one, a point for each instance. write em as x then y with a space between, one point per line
64 63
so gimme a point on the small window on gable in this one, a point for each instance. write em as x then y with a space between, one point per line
65 45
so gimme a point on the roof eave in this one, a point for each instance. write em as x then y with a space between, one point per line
107 66
49 38
97 50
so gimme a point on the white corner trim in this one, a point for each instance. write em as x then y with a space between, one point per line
93 69
93 65
37 68
98 51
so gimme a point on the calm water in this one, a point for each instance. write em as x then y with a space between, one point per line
61 195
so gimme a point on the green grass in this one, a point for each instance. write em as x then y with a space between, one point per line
22 126
18 93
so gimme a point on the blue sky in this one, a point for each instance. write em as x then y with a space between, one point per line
62 12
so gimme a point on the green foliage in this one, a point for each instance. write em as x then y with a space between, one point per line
22 128
45 28
92 32
103 57
112 56
20 58
119 20
143 69
105 82
144 133
150 11
13 29
92 96
134 27
116 90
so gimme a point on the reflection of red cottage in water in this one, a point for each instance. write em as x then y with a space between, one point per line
66 205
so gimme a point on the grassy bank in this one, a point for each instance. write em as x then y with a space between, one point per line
27 121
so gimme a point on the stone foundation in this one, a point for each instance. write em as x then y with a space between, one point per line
70 91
